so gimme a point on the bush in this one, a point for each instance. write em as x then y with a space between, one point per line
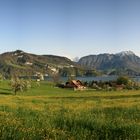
122 80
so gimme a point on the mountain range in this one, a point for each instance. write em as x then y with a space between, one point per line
124 63
22 63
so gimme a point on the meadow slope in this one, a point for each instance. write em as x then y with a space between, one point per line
50 113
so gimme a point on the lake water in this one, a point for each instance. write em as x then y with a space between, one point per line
88 79
137 78
97 78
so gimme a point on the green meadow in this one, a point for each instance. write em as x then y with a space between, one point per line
48 113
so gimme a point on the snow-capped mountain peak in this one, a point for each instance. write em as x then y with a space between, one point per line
123 53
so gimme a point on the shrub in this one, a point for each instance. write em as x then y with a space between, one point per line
122 80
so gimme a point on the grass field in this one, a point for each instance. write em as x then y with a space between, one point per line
50 113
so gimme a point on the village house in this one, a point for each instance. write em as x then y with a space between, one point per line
75 84
40 76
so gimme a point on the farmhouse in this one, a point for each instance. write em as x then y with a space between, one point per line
39 76
76 84
120 87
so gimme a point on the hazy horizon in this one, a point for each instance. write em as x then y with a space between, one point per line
70 28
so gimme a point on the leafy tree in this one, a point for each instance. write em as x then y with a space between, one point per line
122 80
1 77
55 77
19 85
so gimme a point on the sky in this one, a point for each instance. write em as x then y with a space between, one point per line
70 27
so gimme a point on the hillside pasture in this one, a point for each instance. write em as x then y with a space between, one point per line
50 113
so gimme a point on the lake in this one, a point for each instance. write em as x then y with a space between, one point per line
97 78
88 79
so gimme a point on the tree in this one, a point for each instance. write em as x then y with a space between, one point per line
55 77
122 80
19 85
1 77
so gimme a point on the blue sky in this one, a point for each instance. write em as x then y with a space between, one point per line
70 27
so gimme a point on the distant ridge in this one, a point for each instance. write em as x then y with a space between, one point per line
23 63
126 63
